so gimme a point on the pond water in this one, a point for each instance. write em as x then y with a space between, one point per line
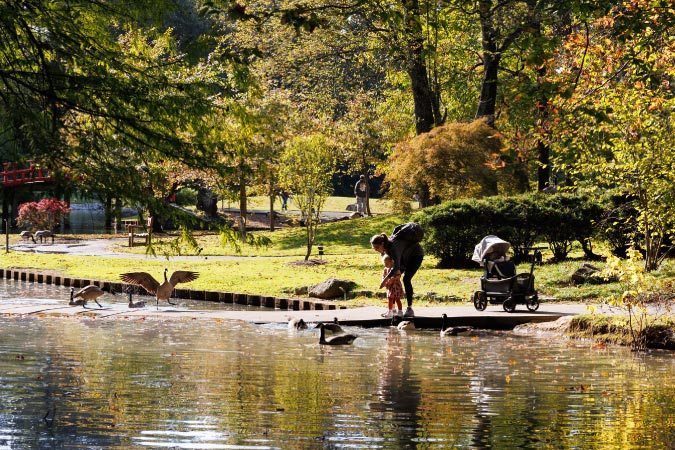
134 384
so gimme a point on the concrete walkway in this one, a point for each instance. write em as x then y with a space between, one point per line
494 317
101 247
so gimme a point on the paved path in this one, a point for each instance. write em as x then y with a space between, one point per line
494 317
102 247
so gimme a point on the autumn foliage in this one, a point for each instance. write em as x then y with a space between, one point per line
451 161
43 215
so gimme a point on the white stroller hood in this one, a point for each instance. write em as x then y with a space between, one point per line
490 245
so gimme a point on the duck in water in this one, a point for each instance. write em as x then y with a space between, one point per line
338 339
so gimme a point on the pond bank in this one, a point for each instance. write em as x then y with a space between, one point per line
608 328
261 310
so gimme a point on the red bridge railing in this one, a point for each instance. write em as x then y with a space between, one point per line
12 175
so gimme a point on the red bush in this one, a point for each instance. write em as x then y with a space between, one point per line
43 215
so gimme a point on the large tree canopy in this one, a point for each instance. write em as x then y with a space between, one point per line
84 87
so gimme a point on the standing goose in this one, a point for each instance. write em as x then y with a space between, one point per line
339 339
161 291
87 293
25 235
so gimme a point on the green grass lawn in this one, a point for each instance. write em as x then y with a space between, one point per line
333 204
274 270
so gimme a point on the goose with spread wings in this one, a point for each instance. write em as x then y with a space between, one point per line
161 291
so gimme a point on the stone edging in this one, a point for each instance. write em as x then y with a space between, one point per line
281 303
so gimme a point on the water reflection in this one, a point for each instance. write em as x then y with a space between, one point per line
120 383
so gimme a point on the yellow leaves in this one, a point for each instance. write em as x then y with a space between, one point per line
508 379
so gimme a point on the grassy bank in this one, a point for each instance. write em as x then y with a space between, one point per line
655 332
275 270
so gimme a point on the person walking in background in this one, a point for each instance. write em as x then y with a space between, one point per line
407 255
361 193
394 288
284 199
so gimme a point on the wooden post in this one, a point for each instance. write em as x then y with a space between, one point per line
130 228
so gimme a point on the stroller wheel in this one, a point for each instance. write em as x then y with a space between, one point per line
533 303
509 304
480 300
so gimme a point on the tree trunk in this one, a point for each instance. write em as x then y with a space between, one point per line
272 197
242 209
544 170
117 212
426 101
487 103
488 90
543 149
424 114
108 213
368 197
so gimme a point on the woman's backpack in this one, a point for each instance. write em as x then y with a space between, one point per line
410 232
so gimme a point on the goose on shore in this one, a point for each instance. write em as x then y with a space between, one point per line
42 235
25 235
161 291
338 339
86 294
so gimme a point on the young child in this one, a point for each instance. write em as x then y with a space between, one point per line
394 288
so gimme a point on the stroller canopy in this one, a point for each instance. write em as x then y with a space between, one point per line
490 247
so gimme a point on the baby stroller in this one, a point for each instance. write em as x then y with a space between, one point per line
500 283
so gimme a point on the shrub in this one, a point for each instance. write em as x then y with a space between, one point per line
186 197
43 215
454 228
566 218
618 224
451 161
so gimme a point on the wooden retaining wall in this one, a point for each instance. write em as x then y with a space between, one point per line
186 294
